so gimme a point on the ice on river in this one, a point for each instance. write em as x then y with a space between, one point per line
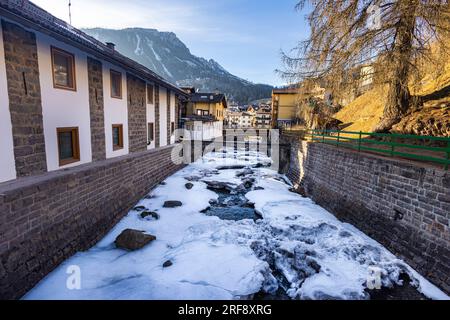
297 247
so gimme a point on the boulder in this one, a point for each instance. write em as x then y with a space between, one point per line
130 239
189 185
152 214
172 204
168 263
245 172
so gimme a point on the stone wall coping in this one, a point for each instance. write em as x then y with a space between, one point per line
405 163
34 181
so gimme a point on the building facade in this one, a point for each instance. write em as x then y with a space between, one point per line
246 120
263 118
68 99
284 106
204 115
207 104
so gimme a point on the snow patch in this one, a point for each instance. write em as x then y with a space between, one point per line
298 246
138 51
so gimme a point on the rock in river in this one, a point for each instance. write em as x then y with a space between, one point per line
189 185
131 239
166 264
152 214
172 204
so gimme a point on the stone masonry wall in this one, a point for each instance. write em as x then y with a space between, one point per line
96 107
22 72
157 126
177 111
47 218
403 205
169 133
137 123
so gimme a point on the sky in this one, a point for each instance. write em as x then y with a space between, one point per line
244 36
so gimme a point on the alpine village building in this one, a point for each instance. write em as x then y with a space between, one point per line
284 104
204 114
67 99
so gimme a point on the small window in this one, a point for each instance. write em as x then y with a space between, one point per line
151 132
68 145
117 136
172 127
63 64
116 84
205 112
149 93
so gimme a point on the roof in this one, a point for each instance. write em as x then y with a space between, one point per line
188 89
208 98
285 91
32 16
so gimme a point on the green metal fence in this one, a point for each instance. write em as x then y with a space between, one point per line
421 148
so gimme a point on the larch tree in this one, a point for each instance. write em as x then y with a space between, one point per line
394 37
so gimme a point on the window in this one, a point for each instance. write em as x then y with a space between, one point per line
116 84
150 133
68 145
150 93
117 136
199 112
63 64
172 127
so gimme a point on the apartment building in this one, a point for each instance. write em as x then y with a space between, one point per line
67 99
263 118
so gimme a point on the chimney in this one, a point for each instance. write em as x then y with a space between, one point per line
110 45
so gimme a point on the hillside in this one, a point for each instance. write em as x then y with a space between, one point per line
168 56
432 117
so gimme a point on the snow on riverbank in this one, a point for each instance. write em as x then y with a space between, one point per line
297 246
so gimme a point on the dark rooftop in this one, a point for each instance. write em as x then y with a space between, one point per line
32 16
208 97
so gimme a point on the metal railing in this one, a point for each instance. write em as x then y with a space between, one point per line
421 148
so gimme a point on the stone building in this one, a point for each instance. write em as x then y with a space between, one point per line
67 99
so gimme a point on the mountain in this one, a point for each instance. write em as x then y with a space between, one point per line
165 54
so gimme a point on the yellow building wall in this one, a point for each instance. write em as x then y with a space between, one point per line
215 109
287 104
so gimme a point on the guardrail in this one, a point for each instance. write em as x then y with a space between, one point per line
390 144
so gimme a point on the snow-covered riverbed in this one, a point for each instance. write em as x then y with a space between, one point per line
297 248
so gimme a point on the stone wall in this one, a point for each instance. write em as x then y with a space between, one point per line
157 126
96 107
177 111
137 123
403 205
47 218
169 133
22 72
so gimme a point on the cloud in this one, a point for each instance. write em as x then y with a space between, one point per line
119 14
188 19
210 28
